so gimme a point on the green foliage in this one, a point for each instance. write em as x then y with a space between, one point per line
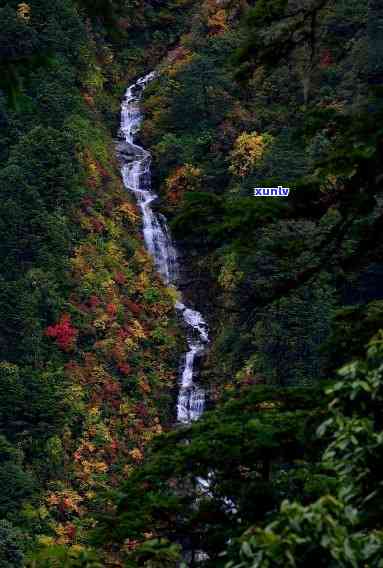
61 557
322 535
231 222
27 41
157 553
11 555
13 395
351 330
20 485
265 12
199 89
289 333
18 39
239 448
42 172
341 530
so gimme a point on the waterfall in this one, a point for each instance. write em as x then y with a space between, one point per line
136 176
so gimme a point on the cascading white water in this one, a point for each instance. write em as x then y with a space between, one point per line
136 175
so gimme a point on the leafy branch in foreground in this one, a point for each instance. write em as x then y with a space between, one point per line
342 530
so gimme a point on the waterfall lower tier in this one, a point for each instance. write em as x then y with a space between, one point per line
136 174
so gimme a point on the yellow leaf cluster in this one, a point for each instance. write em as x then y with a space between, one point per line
115 232
137 330
10 368
24 11
108 284
107 55
62 536
125 408
218 22
115 258
330 183
147 435
100 467
248 151
144 385
229 276
68 498
128 469
90 495
129 210
94 413
46 540
271 405
90 467
142 283
99 374
142 257
136 454
178 59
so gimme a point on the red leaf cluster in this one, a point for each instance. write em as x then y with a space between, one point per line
63 332
94 302
123 333
119 277
71 531
136 309
97 225
141 410
326 59
111 309
87 202
124 368
111 388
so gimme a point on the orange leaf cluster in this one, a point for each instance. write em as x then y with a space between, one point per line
183 178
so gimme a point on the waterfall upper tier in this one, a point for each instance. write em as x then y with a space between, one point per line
136 174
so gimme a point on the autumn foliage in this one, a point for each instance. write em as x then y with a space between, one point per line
64 333
182 179
247 152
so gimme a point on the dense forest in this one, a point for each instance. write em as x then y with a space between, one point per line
282 469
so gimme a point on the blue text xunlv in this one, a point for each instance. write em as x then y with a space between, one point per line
271 191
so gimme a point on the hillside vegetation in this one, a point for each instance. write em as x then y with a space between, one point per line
285 467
